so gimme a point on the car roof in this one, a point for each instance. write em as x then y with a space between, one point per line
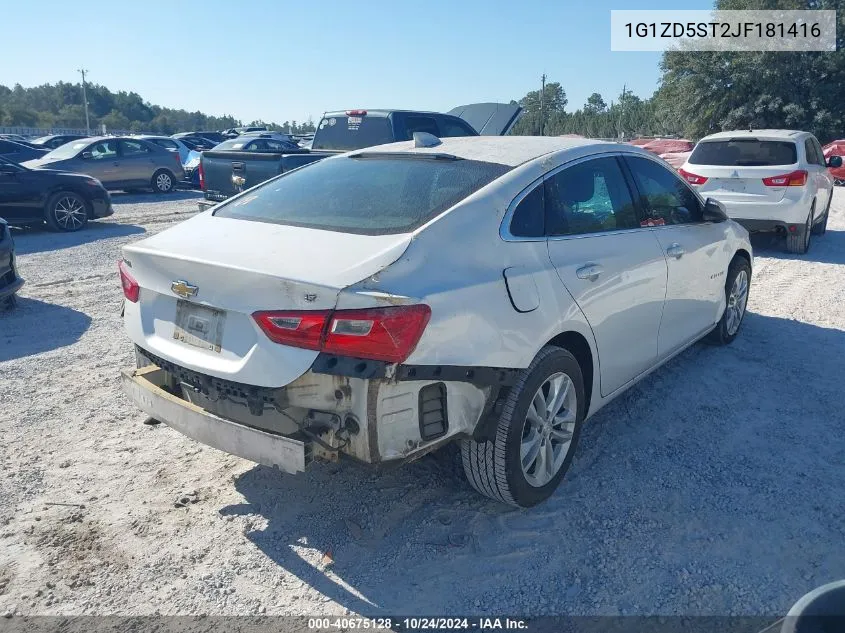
505 150
770 134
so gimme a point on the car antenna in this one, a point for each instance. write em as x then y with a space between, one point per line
425 139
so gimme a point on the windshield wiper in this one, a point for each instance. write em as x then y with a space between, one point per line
408 155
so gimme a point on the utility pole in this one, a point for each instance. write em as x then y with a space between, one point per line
542 101
82 71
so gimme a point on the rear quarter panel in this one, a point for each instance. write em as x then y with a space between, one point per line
456 264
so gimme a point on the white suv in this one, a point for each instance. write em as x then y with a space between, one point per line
382 303
768 180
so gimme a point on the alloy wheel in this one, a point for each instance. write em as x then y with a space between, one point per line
548 429
164 182
70 213
737 301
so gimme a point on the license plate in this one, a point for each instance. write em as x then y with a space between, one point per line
199 326
733 185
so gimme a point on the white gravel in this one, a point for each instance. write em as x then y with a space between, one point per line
713 487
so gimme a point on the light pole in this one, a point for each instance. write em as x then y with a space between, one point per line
82 71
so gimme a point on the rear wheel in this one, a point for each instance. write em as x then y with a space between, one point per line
163 181
536 434
66 211
736 299
799 241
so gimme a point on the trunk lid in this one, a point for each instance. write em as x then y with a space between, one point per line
238 267
489 119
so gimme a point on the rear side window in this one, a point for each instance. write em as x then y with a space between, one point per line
133 148
420 124
162 142
373 195
590 197
744 153
814 156
453 127
231 144
352 132
529 216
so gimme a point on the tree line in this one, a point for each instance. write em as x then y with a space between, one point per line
61 106
705 92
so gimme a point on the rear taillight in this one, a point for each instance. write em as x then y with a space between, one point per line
131 289
298 329
201 176
388 334
691 178
793 179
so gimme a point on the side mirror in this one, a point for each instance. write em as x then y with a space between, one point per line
834 161
87 155
714 211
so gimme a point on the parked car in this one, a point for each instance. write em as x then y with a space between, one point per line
18 152
382 303
768 180
172 144
676 159
198 144
216 137
10 279
12 137
237 131
233 167
52 141
64 200
117 162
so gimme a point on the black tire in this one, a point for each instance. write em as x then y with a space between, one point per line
724 332
820 228
163 181
799 241
494 467
66 211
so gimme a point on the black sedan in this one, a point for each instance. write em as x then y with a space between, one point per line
57 140
10 281
65 201
18 152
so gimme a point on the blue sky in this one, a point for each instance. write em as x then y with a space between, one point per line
282 60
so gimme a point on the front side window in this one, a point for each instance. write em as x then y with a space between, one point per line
666 198
590 197
104 150
365 193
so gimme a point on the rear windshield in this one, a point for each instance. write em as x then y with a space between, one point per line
744 152
368 196
352 132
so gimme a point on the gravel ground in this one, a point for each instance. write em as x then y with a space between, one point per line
713 487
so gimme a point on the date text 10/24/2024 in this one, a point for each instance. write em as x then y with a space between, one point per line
417 624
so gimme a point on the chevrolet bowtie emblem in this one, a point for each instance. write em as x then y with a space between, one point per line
184 289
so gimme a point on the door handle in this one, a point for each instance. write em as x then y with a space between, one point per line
590 271
676 250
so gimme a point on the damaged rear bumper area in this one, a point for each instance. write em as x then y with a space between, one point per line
319 415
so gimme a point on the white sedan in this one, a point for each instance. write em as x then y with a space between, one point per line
495 291
768 180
